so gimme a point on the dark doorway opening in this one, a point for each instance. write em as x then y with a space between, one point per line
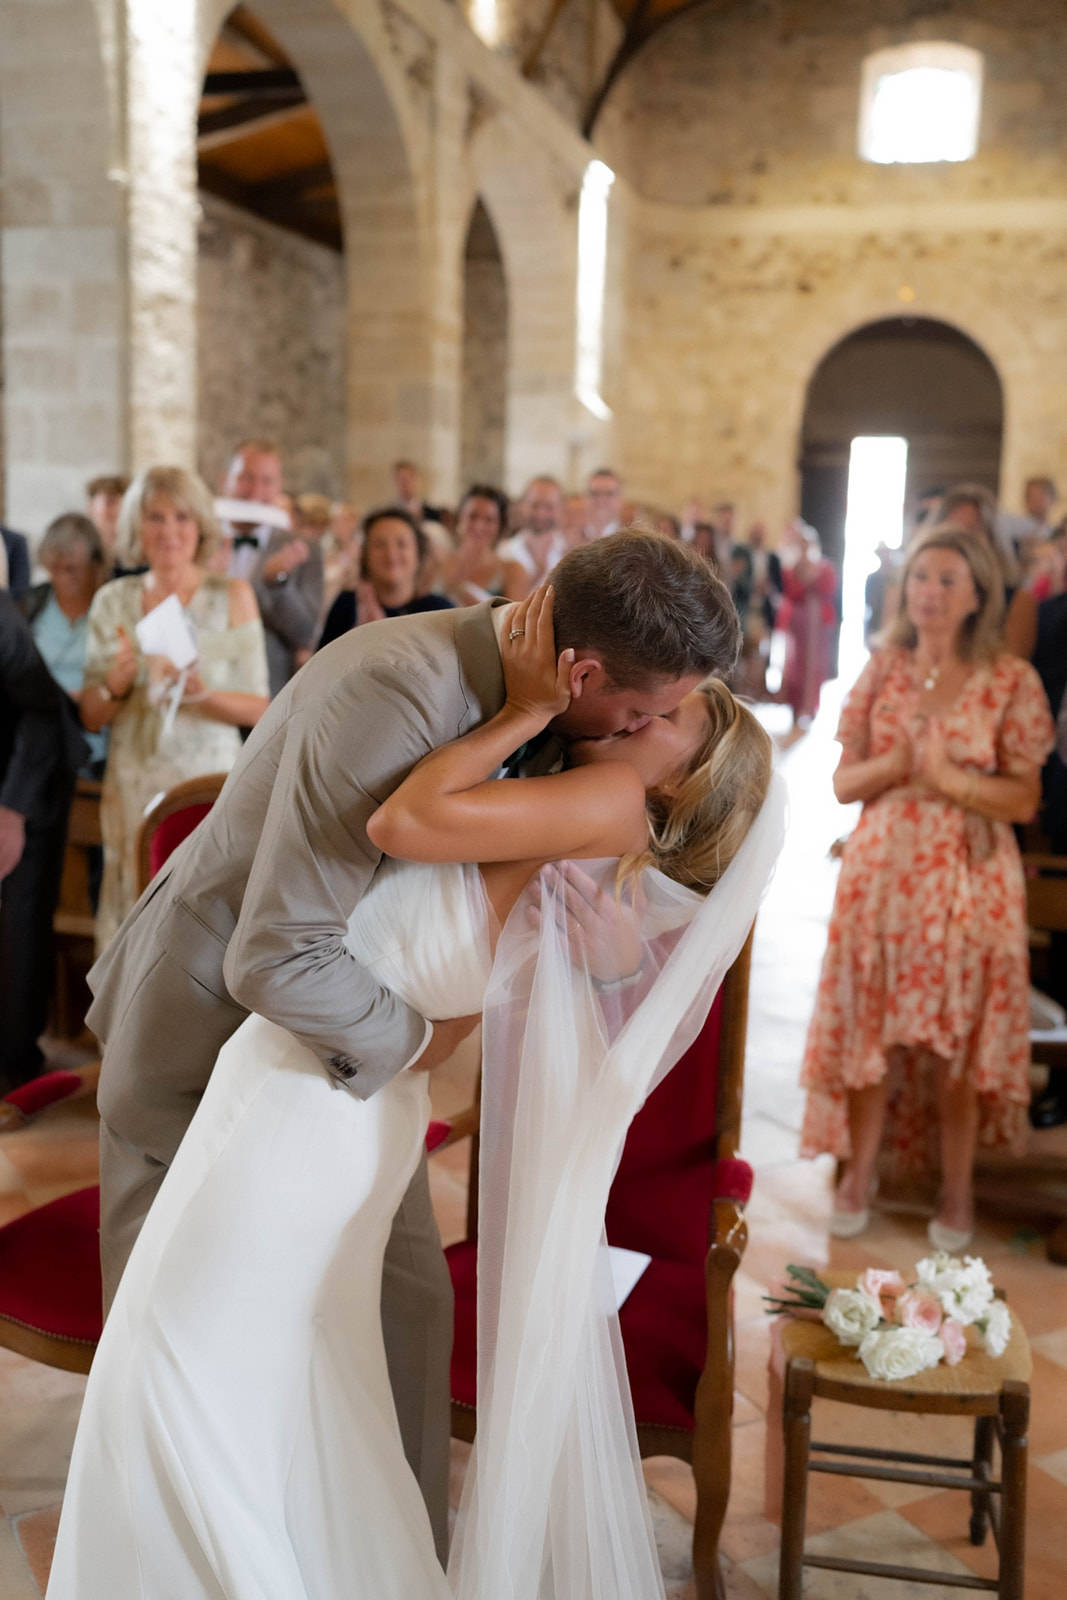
911 376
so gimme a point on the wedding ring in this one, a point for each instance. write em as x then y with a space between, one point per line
517 633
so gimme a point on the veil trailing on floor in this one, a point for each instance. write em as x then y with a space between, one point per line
554 1506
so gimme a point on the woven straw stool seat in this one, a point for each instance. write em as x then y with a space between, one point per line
995 1391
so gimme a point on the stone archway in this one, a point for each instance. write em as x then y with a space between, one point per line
343 57
62 311
918 377
484 381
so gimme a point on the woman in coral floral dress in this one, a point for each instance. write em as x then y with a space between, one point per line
923 993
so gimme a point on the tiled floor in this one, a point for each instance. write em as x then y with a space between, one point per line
787 1222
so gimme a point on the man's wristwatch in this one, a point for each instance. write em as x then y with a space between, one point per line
278 579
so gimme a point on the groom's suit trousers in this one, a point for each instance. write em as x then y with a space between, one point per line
250 914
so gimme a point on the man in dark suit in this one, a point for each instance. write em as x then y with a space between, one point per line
17 555
40 752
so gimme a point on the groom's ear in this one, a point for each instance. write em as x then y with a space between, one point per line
587 676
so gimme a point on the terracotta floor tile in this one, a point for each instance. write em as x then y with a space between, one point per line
944 1517
51 1161
1055 1465
747 1532
16 1579
885 1536
37 1536
1036 1291
1048 1407
673 1481
1053 1346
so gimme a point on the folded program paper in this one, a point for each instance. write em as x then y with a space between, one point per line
166 632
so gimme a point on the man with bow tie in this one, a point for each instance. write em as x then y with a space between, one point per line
285 572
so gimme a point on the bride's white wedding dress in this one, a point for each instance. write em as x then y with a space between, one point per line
238 1439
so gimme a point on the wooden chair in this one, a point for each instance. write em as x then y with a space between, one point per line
993 1390
677 1196
50 1290
170 818
73 923
1037 1184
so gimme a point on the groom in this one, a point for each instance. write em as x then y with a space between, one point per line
251 912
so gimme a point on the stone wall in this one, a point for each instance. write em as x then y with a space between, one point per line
757 239
271 347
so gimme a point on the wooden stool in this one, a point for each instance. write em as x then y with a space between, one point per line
995 1392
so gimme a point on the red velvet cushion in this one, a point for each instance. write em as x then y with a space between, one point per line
662 1192
665 1336
50 1268
47 1090
463 1265
436 1133
170 833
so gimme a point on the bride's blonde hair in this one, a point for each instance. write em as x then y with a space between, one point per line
696 826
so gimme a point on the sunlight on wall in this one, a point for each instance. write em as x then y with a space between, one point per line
592 262
920 102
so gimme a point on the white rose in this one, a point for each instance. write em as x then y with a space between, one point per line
974 1291
851 1314
995 1328
899 1352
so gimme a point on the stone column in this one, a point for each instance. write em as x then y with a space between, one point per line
61 262
163 89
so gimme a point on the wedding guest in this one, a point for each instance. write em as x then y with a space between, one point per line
475 571
808 617
604 495
40 751
254 475
15 564
73 555
103 505
407 481
166 725
539 544
394 547
921 1023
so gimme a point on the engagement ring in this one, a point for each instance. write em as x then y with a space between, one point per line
517 633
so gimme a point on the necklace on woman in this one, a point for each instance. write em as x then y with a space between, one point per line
930 681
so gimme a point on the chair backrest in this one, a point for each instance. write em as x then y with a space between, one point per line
170 818
1046 892
662 1193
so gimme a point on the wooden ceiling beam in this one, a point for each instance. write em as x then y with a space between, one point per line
261 81
244 116
283 209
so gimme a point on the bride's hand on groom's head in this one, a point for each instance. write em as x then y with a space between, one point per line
602 931
536 677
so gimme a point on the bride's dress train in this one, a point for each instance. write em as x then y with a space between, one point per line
238 1439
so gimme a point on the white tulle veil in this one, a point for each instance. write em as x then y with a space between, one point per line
554 1506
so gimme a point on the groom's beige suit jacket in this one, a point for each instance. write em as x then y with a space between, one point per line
251 912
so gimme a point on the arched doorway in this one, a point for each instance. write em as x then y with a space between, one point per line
911 376
484 384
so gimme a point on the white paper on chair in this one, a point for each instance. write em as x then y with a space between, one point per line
166 632
626 1269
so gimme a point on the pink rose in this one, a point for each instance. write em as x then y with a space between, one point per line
918 1309
953 1337
880 1284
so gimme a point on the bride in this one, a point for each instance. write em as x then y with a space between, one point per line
238 1439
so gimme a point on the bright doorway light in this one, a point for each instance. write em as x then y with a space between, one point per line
592 267
877 470
485 20
920 102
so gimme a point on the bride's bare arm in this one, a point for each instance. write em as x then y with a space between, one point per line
448 809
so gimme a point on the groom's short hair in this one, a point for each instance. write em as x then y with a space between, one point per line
649 607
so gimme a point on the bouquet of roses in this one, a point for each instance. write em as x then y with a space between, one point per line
901 1328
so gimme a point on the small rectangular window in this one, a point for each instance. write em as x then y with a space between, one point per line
920 103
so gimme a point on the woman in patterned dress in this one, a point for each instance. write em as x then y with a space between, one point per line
923 992
169 522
